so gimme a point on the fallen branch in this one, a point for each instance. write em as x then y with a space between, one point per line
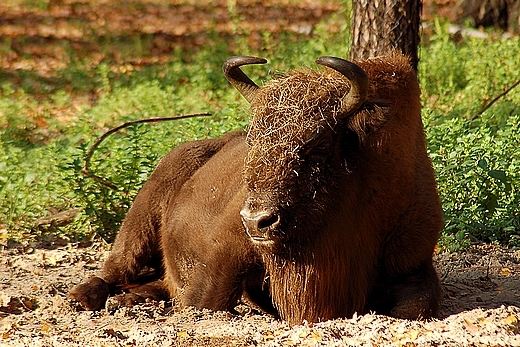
86 161
483 109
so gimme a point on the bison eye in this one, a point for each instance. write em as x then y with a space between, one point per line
318 147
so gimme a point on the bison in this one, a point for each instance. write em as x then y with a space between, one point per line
326 206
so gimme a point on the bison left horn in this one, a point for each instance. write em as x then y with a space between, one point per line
239 79
358 83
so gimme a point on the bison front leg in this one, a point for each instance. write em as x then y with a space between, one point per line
226 292
417 295
213 272
412 296
136 247
90 294
208 283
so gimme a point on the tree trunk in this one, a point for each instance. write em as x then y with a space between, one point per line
504 14
379 26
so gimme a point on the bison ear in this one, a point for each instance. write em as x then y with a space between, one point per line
238 78
368 120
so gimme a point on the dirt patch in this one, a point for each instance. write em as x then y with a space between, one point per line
480 306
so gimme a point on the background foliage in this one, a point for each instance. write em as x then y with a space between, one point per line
50 116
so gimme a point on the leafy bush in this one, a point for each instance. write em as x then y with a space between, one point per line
477 171
475 156
125 165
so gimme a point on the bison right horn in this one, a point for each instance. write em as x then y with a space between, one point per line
358 82
239 79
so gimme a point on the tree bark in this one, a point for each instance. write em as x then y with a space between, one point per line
504 14
380 26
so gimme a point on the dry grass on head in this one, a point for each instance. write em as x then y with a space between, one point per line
286 112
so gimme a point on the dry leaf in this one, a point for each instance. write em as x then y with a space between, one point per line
182 334
41 122
315 337
472 328
28 304
506 271
511 320
51 260
366 319
3 236
8 329
279 332
413 334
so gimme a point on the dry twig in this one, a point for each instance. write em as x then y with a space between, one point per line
86 161
483 109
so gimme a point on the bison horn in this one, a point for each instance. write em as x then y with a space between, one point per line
358 82
237 78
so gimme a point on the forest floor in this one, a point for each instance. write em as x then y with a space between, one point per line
480 307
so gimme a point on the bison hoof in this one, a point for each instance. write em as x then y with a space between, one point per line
91 294
418 309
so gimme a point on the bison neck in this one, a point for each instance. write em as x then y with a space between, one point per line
328 281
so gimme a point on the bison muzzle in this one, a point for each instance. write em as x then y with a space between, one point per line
325 206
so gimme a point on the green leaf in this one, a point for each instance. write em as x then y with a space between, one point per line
499 175
482 163
492 203
461 235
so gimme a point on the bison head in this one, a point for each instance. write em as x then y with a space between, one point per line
295 141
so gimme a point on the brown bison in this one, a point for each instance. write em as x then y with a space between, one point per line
326 206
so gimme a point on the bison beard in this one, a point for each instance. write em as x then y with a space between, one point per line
325 207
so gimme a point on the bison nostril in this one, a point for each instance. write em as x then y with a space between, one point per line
267 221
258 224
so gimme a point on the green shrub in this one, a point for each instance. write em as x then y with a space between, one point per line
477 166
475 156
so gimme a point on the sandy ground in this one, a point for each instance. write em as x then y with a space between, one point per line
480 307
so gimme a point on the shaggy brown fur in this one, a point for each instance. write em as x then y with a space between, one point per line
311 215
285 114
